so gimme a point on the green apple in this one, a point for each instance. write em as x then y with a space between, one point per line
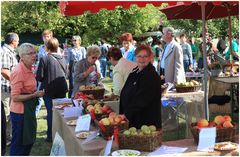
132 129
152 128
126 132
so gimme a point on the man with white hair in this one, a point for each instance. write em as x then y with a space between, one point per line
171 66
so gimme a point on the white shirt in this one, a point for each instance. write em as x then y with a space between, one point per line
165 53
120 74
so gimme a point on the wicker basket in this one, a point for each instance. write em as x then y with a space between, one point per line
141 143
96 116
187 89
107 131
97 93
223 134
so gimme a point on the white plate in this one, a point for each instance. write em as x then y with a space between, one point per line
126 152
225 146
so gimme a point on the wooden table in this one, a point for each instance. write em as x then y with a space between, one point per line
194 102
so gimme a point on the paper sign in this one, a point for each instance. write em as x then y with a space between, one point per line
108 147
83 123
76 103
207 139
72 112
167 150
91 137
58 147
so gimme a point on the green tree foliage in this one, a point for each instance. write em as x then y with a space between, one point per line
35 16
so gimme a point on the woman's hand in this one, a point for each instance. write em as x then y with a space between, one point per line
39 93
88 71
98 75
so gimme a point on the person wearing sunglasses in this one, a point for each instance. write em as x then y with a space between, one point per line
75 54
86 71
140 97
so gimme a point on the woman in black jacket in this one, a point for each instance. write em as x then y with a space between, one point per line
51 73
140 99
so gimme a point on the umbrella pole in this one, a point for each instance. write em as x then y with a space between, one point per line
203 4
230 38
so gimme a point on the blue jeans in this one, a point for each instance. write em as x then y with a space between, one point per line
103 66
186 64
48 104
16 148
200 63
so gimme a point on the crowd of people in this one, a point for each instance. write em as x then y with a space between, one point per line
138 72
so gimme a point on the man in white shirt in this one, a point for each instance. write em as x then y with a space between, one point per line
171 65
122 68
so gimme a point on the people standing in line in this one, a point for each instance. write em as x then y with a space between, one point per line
140 99
8 63
194 48
171 65
122 68
75 54
46 35
187 53
103 58
86 71
24 100
128 49
51 73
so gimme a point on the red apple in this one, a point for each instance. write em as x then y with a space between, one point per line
202 123
219 120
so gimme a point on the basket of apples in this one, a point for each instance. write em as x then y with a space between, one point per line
148 138
225 128
112 123
98 111
96 91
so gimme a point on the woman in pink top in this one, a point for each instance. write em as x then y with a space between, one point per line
23 88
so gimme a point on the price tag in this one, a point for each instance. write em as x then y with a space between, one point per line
58 147
83 123
108 147
76 102
207 139
72 112
91 137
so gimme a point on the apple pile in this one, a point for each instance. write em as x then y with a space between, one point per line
93 87
98 108
80 95
113 119
145 130
219 122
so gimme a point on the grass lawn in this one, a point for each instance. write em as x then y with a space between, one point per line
42 148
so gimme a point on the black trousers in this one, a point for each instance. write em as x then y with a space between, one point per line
162 74
3 129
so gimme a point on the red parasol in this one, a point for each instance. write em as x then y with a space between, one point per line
205 11
73 8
